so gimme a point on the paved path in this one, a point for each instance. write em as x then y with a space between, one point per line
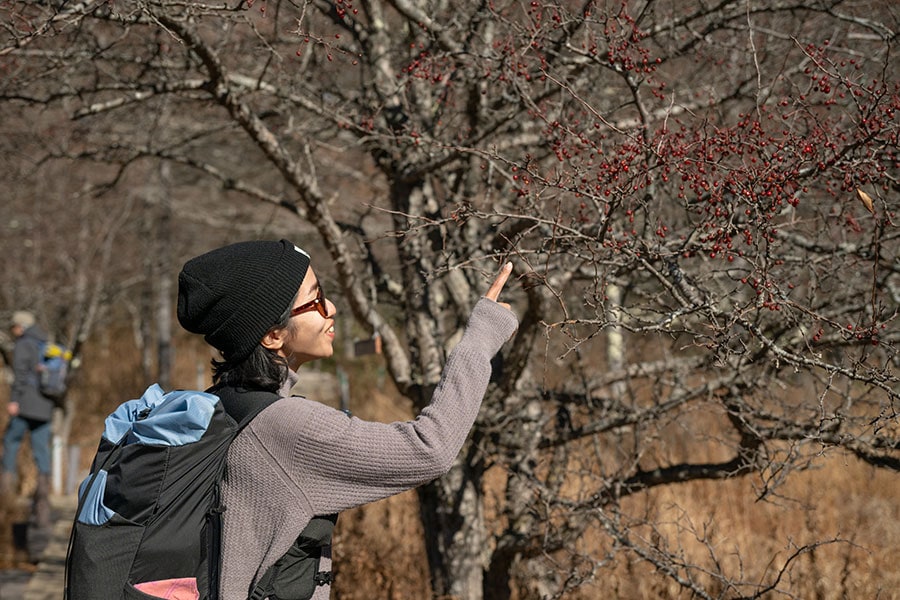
46 582
13 583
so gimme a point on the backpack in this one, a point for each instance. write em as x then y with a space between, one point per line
148 522
54 371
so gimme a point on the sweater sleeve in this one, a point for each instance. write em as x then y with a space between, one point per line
338 462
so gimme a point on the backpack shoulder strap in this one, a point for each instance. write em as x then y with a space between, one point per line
242 404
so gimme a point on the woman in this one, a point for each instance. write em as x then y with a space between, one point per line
262 306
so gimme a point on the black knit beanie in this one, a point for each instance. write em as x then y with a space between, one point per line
235 294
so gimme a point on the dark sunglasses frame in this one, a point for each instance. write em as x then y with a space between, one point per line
317 303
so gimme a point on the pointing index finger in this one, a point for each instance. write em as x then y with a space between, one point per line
494 291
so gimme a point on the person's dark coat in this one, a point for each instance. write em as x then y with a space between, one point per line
26 385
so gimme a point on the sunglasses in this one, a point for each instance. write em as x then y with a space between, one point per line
317 303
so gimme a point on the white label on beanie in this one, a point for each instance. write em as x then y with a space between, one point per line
301 251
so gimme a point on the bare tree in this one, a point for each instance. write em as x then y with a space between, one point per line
696 194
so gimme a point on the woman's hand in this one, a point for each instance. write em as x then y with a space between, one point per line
494 291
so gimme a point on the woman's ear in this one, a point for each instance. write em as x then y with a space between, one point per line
275 339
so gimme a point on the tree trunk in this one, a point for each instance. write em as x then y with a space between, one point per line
164 351
452 514
519 515
143 319
615 341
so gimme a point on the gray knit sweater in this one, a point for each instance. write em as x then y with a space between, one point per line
299 458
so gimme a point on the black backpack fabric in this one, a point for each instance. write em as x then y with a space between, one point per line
148 522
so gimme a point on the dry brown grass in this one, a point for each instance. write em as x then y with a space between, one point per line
718 525
721 526
380 554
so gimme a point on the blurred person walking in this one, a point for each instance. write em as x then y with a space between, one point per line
29 412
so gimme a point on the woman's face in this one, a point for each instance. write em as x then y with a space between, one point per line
308 335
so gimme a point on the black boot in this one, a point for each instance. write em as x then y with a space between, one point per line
40 508
40 524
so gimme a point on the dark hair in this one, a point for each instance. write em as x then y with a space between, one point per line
263 369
